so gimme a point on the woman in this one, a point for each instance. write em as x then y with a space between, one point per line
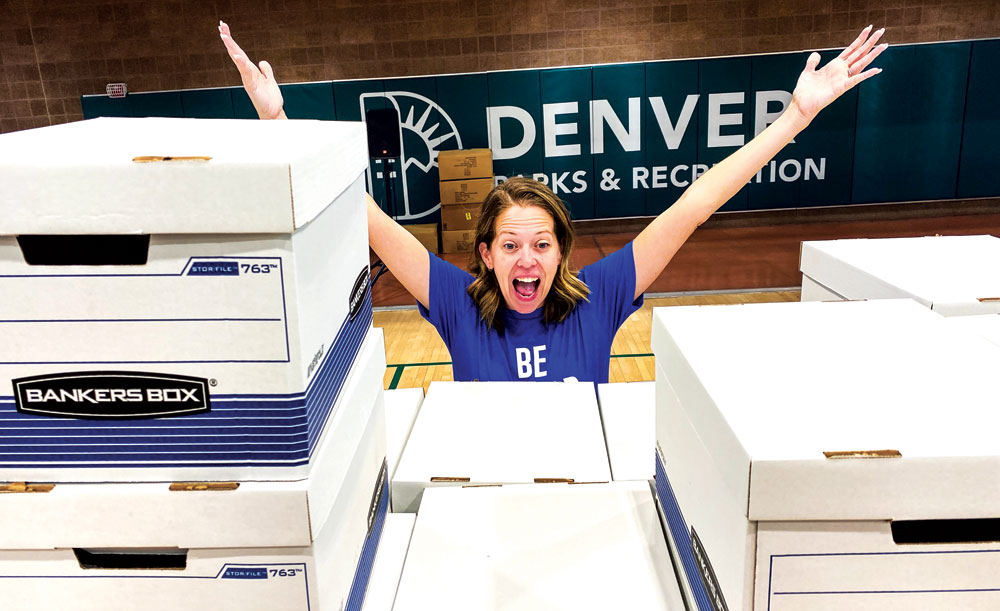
525 315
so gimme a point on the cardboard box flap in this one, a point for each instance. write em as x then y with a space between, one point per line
126 176
791 381
938 487
479 431
543 546
954 275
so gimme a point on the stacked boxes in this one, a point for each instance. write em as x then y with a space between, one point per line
188 361
952 275
466 180
827 455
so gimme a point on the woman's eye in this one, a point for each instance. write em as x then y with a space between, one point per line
508 246
542 245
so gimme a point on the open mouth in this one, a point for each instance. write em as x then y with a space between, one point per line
526 287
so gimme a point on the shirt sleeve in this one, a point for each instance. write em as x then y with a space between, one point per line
612 286
449 305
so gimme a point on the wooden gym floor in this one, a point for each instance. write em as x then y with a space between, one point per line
727 261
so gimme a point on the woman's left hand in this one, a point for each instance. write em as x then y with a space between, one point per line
817 88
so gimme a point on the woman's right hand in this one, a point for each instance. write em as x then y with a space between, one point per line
258 82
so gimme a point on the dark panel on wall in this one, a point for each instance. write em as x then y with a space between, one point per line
623 87
157 104
729 79
309 101
909 127
421 123
519 89
102 106
979 174
464 98
816 168
670 136
242 106
208 103
569 167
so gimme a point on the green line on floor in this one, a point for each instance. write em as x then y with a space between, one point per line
395 377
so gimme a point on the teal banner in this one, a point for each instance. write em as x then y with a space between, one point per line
627 139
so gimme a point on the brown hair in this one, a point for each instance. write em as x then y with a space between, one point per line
566 289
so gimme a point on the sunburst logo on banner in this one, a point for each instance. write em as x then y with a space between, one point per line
425 128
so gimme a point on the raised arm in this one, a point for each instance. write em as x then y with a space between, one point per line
656 245
405 256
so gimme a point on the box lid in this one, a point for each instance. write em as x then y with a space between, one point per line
953 275
553 546
221 176
770 387
506 432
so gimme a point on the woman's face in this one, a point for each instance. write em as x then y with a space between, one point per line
524 256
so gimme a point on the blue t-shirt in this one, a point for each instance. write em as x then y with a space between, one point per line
579 346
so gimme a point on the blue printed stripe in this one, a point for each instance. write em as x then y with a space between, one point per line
240 430
359 587
679 532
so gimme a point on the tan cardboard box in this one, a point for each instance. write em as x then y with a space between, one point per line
457 241
468 163
427 233
454 218
473 191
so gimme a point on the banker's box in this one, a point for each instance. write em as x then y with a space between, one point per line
828 456
952 275
252 545
465 164
182 298
472 433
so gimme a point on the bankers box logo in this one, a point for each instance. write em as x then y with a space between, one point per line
425 128
111 394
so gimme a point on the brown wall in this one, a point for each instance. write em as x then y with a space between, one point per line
54 51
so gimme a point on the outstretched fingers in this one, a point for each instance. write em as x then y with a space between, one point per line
857 43
247 69
858 67
863 50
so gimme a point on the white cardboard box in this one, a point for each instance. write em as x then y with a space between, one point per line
749 401
538 547
91 514
221 347
628 413
265 545
401 408
952 275
470 433
388 567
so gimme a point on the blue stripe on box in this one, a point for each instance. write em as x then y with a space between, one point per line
679 532
240 430
359 587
